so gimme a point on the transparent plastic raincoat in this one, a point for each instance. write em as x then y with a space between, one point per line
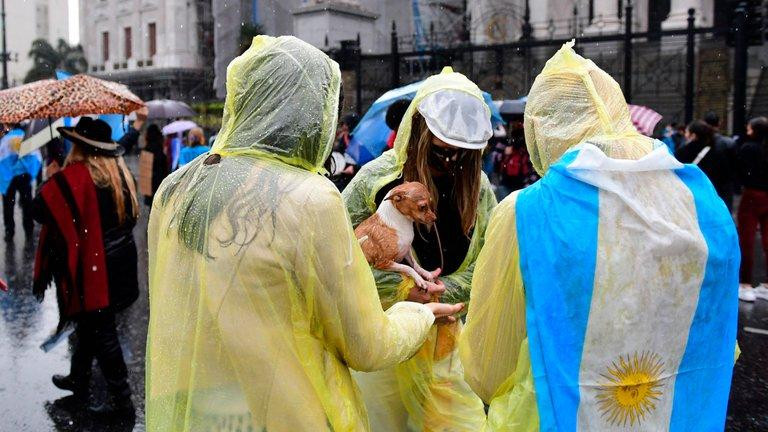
260 297
605 296
426 393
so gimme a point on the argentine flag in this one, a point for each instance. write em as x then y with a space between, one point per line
630 270
10 163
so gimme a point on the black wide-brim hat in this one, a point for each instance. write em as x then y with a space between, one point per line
94 135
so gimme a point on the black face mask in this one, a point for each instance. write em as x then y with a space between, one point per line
445 159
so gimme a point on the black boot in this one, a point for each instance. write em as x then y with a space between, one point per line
64 382
78 388
77 401
115 405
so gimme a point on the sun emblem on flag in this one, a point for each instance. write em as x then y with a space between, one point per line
632 388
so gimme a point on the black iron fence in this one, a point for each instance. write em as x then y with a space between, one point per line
680 73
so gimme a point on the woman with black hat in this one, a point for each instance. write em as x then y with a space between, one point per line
88 211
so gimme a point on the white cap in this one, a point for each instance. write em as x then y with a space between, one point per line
458 118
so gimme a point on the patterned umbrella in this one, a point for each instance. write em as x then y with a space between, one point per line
76 96
12 99
644 119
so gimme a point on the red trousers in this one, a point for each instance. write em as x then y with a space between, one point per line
753 212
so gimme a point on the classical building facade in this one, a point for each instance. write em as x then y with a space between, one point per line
323 23
498 21
326 23
159 48
48 19
181 48
421 24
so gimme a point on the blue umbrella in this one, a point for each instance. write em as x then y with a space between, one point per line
369 138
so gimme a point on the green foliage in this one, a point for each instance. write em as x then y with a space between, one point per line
46 59
215 107
209 114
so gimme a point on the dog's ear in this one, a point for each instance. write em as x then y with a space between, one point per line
396 197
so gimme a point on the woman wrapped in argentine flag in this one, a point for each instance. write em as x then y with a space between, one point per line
605 298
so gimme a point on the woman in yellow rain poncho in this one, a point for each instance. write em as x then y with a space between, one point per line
260 297
439 143
605 296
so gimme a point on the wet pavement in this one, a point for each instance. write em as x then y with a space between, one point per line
748 406
29 402
28 399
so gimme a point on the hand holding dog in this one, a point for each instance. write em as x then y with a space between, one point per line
445 312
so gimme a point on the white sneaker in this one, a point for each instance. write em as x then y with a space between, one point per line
761 292
746 293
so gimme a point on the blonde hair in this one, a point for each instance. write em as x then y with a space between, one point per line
199 136
466 190
106 173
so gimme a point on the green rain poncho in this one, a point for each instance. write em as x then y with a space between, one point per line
427 392
260 297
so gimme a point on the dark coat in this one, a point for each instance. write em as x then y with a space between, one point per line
753 165
160 166
88 252
718 165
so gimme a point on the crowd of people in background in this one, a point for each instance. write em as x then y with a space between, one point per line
736 166
753 209
507 162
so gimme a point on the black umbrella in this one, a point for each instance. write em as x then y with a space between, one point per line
167 108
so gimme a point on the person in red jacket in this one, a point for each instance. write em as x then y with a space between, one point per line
88 211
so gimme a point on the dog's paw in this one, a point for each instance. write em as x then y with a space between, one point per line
425 275
432 276
420 282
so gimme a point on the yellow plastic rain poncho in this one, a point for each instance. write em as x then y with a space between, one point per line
260 297
427 392
583 298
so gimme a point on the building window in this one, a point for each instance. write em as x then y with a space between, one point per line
128 42
42 22
152 36
105 46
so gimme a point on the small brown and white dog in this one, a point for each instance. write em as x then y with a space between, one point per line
386 236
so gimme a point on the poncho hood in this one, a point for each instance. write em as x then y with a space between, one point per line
574 101
445 80
282 102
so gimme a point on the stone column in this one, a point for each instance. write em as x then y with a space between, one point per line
539 18
606 18
678 15
226 38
